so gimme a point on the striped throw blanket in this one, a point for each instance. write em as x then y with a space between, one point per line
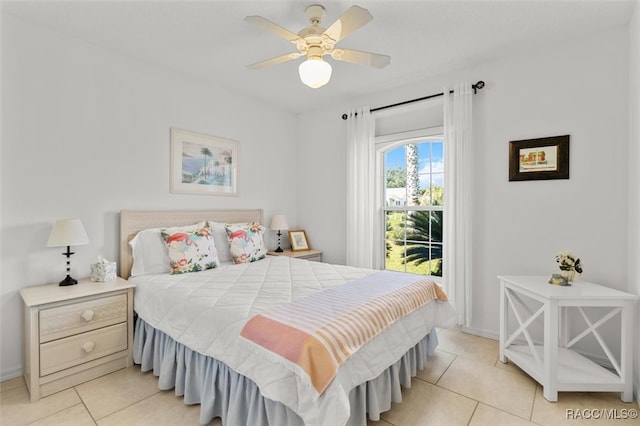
320 332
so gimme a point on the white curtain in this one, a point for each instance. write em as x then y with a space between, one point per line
457 215
363 220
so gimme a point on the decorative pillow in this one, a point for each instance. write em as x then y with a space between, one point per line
246 242
190 251
149 251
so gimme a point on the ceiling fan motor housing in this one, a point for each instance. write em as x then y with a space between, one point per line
315 13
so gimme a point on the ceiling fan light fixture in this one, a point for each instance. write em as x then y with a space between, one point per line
315 72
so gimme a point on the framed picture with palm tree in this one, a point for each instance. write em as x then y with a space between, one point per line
203 164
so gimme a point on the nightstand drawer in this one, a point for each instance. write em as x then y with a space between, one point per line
66 353
67 320
311 254
313 257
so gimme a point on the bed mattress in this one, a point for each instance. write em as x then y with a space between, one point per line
206 311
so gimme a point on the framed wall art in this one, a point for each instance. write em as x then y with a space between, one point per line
203 164
539 159
298 240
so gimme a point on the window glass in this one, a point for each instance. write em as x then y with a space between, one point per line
413 202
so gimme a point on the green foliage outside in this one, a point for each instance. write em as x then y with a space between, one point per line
396 177
412 239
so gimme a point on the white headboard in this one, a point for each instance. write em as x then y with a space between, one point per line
133 221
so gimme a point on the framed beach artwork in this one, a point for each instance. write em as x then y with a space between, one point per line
203 164
539 159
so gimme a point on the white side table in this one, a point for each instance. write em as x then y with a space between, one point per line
76 333
554 364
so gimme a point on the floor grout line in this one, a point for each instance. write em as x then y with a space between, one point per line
95 422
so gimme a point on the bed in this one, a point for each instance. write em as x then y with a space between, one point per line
194 330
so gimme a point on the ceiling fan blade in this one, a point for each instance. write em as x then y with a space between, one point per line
274 28
354 18
363 58
274 61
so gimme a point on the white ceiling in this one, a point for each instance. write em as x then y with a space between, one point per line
209 40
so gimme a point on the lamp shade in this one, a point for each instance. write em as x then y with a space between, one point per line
279 222
67 232
314 72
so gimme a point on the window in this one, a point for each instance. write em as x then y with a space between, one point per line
413 191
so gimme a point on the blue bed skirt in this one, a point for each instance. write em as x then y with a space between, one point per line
221 392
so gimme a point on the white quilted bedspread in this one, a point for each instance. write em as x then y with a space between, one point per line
207 310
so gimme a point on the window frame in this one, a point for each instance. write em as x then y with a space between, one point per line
384 144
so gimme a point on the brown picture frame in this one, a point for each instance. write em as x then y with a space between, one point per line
298 240
539 159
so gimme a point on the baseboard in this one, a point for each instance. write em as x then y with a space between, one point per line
481 333
10 374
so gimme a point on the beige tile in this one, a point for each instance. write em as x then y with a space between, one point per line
510 392
572 409
485 415
509 366
12 384
76 416
163 408
110 393
467 345
437 364
428 404
17 408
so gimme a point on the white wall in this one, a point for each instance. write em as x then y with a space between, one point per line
86 133
634 177
577 88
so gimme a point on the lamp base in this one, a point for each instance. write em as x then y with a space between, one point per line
68 281
279 249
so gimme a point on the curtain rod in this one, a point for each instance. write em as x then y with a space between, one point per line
475 87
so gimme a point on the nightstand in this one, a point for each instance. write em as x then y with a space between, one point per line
76 333
554 363
313 255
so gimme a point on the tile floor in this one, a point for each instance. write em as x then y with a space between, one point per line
464 384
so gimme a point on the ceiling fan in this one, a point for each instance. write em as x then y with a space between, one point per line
315 42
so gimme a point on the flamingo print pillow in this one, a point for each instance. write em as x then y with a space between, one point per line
246 242
190 251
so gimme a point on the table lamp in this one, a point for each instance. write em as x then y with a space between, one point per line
68 232
279 223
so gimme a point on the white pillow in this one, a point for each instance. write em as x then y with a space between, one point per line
149 251
220 240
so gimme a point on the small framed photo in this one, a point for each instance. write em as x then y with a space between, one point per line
298 240
539 159
203 164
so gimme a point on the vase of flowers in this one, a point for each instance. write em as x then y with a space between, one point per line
569 265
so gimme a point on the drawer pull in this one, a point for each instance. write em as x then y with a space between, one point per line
88 346
87 315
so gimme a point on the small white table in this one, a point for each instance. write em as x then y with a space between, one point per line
554 364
